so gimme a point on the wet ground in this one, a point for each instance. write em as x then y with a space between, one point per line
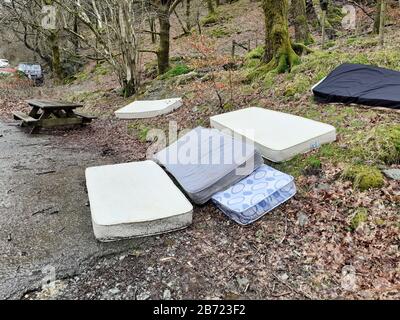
45 223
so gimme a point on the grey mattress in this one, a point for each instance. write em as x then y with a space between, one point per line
206 161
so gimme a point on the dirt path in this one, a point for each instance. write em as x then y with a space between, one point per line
44 218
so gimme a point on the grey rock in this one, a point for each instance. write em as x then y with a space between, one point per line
243 282
284 277
302 219
206 78
323 187
143 296
186 78
114 291
392 174
167 294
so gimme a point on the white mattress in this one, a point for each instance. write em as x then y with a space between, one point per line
278 136
148 109
135 200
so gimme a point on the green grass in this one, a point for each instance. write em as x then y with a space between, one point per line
140 130
175 71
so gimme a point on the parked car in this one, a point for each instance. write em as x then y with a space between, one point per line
33 71
4 63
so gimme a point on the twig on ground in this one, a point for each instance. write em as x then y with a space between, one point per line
286 229
45 172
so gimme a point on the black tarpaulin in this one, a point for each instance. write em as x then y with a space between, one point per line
361 84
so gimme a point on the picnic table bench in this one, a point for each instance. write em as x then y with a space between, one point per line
49 114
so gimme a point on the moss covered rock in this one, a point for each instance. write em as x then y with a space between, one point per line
177 70
364 177
210 19
359 218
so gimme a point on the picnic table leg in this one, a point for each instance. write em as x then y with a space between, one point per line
34 112
71 114
45 115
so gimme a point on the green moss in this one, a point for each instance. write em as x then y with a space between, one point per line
388 140
175 71
219 32
257 53
229 106
330 44
364 177
296 87
360 217
381 145
257 72
210 19
362 43
101 69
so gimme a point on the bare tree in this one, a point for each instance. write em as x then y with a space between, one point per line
113 36
38 29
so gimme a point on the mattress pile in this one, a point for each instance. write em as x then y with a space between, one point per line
360 84
135 200
205 161
277 136
256 195
148 109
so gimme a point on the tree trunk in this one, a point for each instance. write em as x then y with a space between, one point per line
153 29
279 53
382 23
210 6
76 39
163 50
188 15
55 55
129 88
302 30
130 78
377 22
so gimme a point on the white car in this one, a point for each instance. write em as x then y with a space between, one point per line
4 63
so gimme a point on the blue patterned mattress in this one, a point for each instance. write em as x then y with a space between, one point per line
253 197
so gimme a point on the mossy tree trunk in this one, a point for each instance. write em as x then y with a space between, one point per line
302 30
164 10
382 23
378 13
130 78
56 65
53 39
164 47
279 53
188 15
210 7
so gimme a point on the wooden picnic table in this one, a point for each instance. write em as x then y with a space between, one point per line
49 114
